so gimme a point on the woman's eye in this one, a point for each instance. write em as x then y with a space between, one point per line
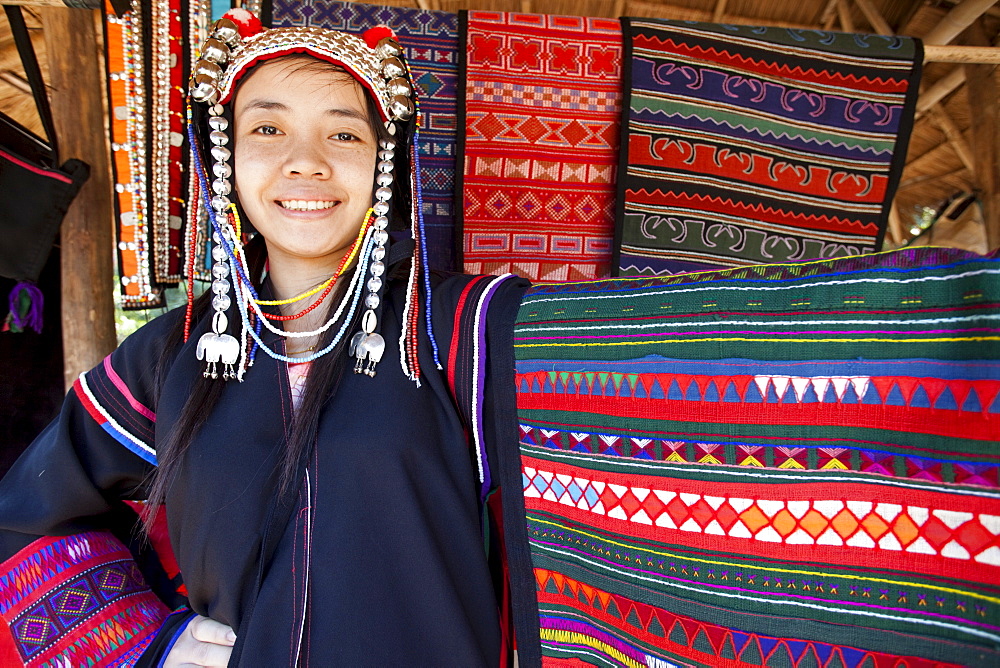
266 130
345 136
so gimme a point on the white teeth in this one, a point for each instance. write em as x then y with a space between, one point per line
306 204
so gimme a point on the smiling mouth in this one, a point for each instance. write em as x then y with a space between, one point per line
306 204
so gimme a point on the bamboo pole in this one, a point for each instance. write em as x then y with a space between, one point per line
983 55
76 94
958 19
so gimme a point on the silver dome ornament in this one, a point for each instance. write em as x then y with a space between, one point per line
215 51
208 68
385 166
400 86
382 194
392 68
218 137
387 47
204 89
222 170
384 179
218 123
221 153
402 108
227 31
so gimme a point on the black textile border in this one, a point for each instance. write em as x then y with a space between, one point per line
524 600
458 235
616 246
903 140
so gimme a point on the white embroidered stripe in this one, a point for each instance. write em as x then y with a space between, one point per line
147 453
476 356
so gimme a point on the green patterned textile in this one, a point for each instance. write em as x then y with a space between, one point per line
782 465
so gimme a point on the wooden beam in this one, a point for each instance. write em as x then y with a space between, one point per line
619 9
875 19
958 19
941 89
983 94
526 7
829 15
844 16
953 135
719 11
77 87
983 55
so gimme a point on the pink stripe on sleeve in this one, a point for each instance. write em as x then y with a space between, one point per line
123 388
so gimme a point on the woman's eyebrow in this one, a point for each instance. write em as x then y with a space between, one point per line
349 113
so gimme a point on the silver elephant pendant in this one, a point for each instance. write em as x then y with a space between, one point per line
219 348
368 347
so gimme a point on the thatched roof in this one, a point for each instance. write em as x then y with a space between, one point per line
942 158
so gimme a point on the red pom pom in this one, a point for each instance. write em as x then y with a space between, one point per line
246 22
374 35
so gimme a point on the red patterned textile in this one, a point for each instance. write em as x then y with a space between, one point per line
542 114
75 600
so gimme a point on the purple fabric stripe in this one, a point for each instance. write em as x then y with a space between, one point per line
481 312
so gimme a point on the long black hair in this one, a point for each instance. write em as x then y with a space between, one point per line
324 375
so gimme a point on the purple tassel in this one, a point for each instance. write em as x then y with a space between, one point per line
26 303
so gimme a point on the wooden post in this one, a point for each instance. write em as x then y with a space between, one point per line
985 134
76 92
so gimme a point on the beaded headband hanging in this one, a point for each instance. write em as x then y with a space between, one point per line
237 42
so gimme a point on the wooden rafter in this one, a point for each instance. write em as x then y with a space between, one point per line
844 16
719 11
958 19
878 23
953 135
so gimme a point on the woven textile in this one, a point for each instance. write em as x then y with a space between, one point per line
786 465
759 145
75 601
431 42
542 113
147 69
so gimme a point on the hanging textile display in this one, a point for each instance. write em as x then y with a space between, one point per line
431 42
542 107
147 70
751 145
713 476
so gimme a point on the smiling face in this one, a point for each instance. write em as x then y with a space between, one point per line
304 158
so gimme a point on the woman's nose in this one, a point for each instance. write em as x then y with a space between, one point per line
305 159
